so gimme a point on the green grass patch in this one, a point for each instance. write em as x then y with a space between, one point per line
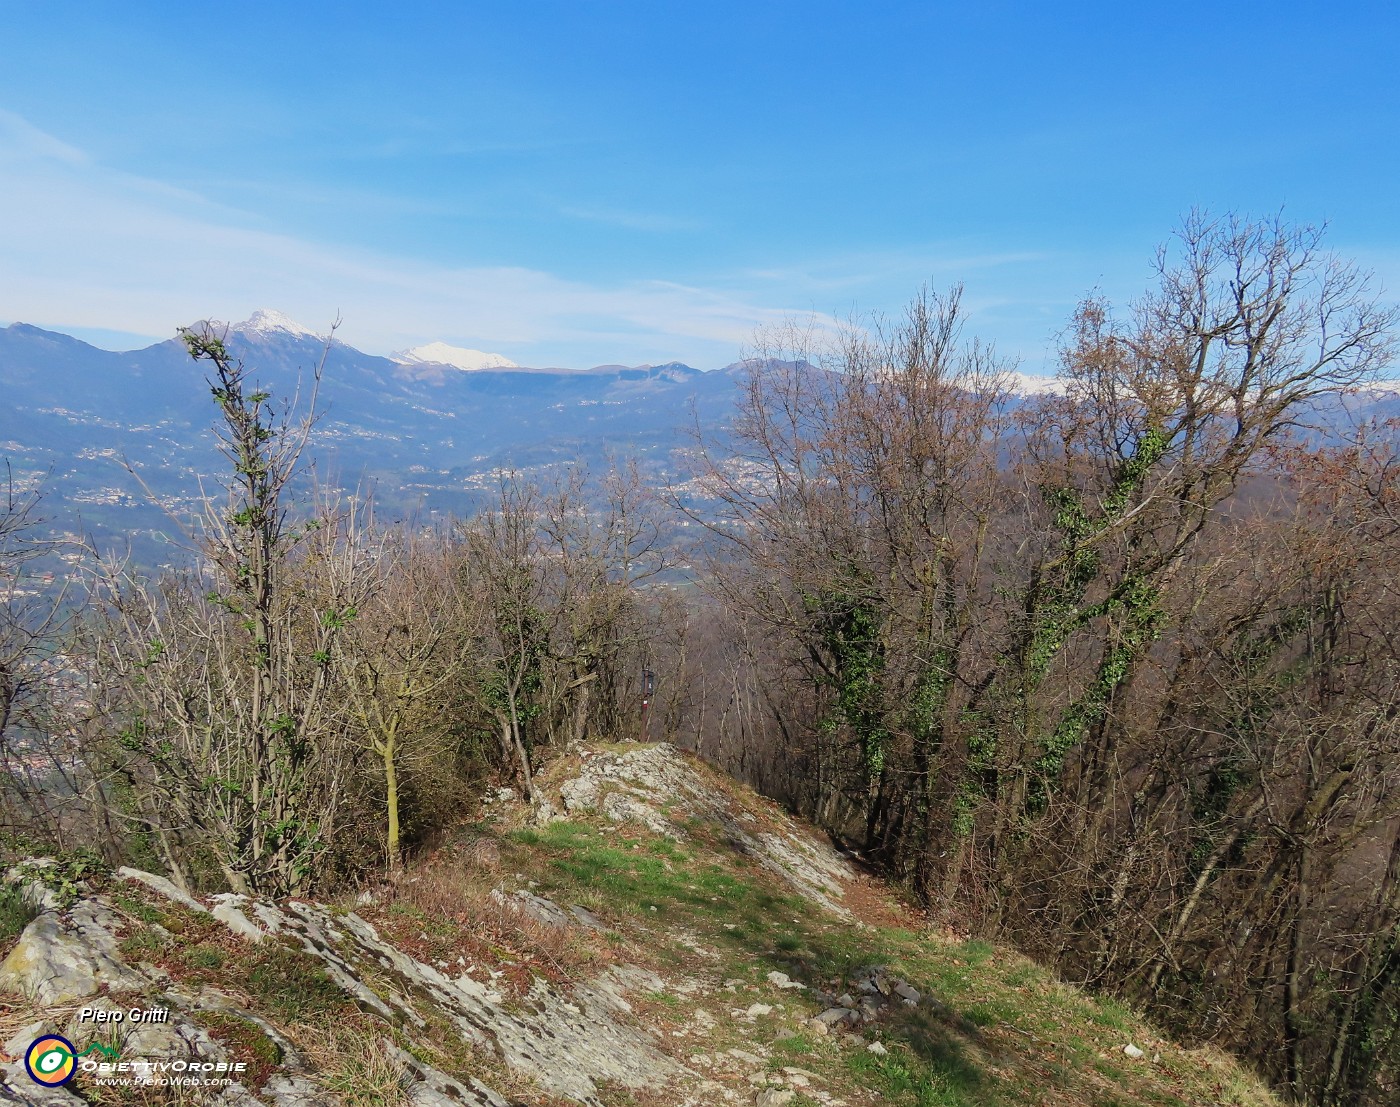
995 1030
144 943
1026 975
16 913
291 985
204 958
915 1082
137 908
799 1045
243 1041
635 880
994 1012
664 847
1109 1012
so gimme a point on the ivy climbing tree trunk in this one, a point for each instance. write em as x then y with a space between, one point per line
1077 662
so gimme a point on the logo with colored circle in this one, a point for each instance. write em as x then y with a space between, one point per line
51 1060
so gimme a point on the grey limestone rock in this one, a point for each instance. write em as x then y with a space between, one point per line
16 1046
584 917
17 1088
62 958
426 1086
568 1042
537 907
165 887
229 909
294 1090
834 1018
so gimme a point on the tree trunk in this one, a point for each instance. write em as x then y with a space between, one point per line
1293 979
1193 900
389 751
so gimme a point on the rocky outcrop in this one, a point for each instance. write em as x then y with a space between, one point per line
566 1041
650 784
579 1040
63 957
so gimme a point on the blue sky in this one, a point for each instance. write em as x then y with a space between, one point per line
574 183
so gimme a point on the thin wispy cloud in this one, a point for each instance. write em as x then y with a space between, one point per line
20 139
98 248
663 183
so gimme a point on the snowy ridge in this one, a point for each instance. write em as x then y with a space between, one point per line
440 353
266 322
1028 384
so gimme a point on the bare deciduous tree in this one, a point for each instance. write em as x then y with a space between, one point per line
219 683
35 759
405 647
1100 668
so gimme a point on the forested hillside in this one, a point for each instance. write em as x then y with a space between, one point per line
1107 673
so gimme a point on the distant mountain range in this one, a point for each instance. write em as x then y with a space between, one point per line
428 429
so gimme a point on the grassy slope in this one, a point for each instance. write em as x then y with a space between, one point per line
713 925
1004 1031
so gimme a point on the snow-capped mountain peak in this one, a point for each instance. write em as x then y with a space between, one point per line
440 353
1028 384
266 322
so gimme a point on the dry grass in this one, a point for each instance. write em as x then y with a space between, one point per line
482 855
17 1014
447 884
444 909
353 1064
